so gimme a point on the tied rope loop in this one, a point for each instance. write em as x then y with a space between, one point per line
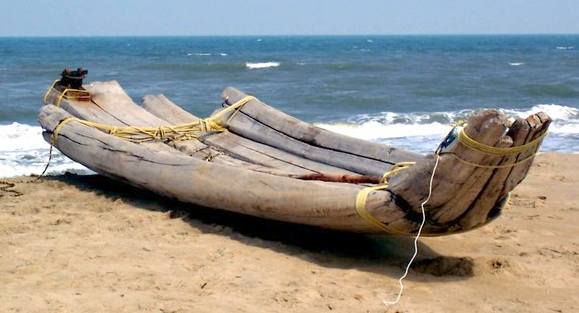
66 94
363 194
394 170
472 144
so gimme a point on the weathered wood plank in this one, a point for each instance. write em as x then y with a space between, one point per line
316 136
249 128
456 184
170 113
111 105
162 107
539 124
470 189
240 146
493 191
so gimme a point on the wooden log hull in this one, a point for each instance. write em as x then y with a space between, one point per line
270 165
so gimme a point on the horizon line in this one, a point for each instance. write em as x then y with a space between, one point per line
293 35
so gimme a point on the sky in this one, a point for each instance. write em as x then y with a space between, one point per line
277 17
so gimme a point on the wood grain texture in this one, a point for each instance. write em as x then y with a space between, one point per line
240 146
262 123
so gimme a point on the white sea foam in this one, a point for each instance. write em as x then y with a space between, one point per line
516 63
374 130
261 65
565 48
206 54
423 131
555 111
23 151
565 119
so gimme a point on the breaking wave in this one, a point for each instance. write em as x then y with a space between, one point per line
23 151
253 66
422 132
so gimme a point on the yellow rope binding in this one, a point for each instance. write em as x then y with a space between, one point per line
362 196
174 132
464 139
68 94
45 98
481 147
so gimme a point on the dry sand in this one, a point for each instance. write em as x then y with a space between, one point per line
87 244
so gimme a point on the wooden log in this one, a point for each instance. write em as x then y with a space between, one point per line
455 182
309 141
111 105
470 189
165 109
486 127
170 113
493 190
250 129
539 124
240 146
507 178
324 204
317 136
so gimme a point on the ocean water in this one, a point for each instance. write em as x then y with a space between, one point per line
399 90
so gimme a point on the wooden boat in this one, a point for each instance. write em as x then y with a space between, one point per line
253 159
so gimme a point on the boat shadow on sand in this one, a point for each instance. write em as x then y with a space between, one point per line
386 255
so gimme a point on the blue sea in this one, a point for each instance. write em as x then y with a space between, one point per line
399 90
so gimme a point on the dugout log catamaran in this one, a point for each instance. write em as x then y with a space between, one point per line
250 158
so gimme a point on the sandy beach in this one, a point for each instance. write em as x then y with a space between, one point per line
88 244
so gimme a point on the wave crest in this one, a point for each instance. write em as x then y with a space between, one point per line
386 125
23 151
253 66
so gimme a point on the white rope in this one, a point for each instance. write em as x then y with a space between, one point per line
388 303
